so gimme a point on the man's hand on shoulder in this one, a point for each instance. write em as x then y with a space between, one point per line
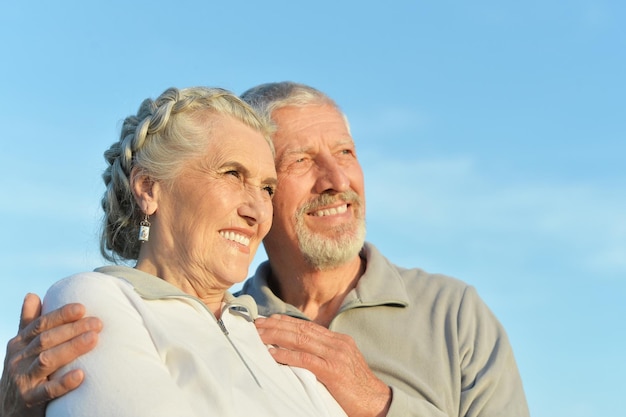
42 346
334 359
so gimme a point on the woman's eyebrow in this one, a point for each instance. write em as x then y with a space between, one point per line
246 172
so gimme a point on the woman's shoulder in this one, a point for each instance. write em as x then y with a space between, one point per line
85 282
93 289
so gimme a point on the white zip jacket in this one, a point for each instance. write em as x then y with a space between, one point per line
163 353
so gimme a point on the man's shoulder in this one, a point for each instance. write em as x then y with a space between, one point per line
439 292
423 277
413 274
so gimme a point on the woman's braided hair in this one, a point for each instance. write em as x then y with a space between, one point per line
157 141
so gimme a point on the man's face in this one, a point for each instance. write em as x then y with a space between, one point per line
320 198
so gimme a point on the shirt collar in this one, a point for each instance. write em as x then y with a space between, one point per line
381 284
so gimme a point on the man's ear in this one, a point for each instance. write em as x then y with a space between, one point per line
145 190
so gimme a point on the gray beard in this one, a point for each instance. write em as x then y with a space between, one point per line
338 245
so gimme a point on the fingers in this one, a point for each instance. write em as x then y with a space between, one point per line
67 314
302 343
32 337
76 341
334 358
299 335
42 346
39 333
54 388
46 343
31 309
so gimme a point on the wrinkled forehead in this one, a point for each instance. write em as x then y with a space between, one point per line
311 125
234 141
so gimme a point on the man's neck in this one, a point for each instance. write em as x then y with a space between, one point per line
318 294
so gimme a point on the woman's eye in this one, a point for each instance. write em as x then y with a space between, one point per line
234 173
270 190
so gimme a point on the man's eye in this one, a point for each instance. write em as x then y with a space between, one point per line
234 173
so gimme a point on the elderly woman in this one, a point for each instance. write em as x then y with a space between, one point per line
188 195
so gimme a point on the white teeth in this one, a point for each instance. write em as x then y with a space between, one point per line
331 211
236 237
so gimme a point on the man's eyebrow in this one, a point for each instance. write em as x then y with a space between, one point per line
291 152
344 142
302 149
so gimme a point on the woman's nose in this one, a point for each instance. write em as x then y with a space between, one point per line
257 207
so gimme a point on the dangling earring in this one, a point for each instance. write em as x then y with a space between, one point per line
144 229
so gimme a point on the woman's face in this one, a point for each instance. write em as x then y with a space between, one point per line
218 210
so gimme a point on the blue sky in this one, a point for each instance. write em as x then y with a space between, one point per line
492 135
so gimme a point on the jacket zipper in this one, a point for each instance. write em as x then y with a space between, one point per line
226 334
222 326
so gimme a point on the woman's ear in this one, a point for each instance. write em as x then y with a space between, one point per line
145 190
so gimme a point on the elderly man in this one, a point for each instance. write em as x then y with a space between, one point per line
385 340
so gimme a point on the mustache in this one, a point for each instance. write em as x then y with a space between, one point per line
328 199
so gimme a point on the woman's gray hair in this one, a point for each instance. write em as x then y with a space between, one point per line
265 99
157 141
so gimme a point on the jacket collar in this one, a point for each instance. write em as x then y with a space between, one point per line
150 287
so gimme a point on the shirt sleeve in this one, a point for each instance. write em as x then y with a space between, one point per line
490 384
124 374
406 405
490 381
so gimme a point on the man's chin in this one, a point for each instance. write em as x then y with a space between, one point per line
325 253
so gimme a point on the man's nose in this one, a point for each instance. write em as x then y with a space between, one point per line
332 176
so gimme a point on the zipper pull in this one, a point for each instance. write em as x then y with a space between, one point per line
222 326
